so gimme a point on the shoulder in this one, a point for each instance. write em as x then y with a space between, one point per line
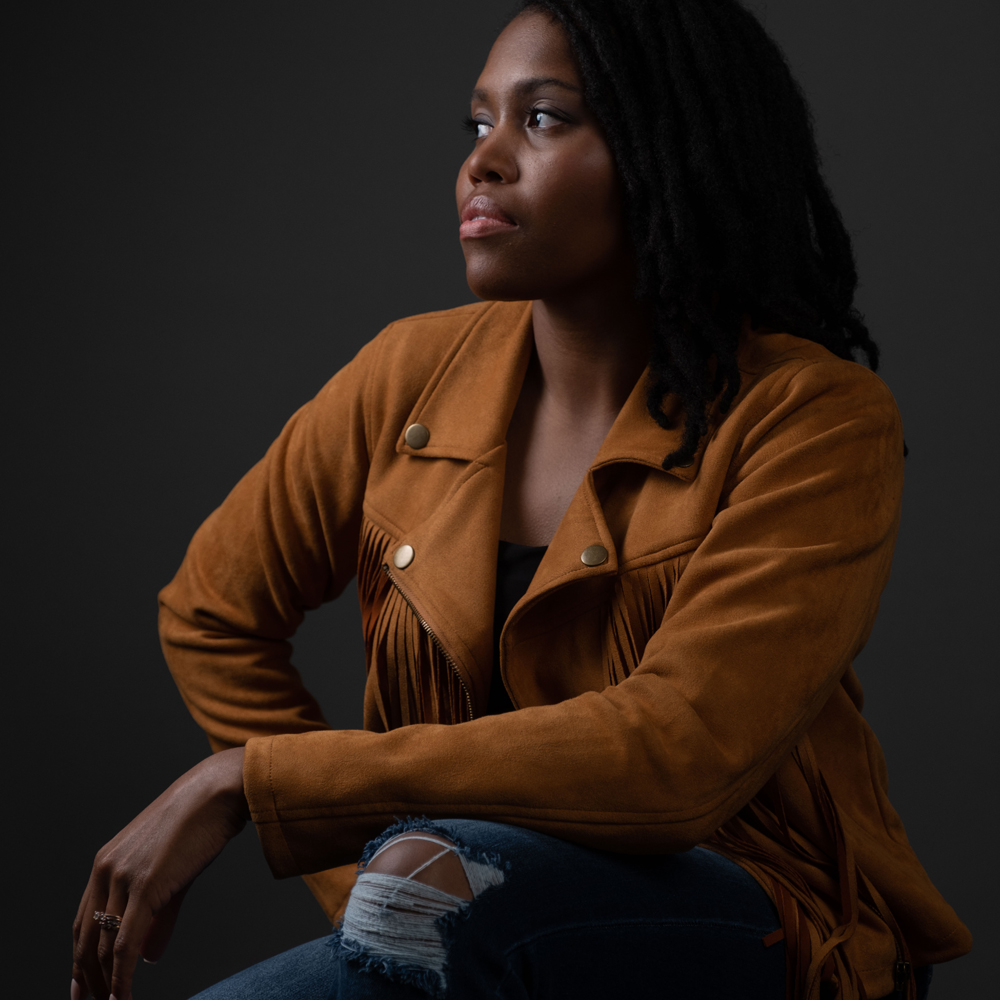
429 335
411 347
802 411
387 377
440 320
781 374
408 352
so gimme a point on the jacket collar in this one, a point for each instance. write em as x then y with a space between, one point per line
466 406
468 403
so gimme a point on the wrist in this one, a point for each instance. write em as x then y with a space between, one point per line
227 766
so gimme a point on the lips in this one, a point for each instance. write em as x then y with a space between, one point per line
482 216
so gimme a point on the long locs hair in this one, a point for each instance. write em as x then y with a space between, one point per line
725 201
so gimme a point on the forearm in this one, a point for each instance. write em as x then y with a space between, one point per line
140 877
596 770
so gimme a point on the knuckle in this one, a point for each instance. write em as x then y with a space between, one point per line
105 952
122 946
128 878
105 858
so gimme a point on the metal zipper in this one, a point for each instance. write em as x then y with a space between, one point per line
437 642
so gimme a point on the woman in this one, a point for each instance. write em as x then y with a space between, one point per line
619 531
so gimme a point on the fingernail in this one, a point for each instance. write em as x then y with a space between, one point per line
147 961
75 993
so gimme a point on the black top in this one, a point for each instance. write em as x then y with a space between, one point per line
516 565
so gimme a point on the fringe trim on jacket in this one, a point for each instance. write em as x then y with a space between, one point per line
817 963
415 680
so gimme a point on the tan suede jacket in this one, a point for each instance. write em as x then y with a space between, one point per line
681 661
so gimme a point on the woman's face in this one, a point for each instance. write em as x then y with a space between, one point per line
538 197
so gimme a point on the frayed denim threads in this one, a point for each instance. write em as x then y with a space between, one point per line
396 926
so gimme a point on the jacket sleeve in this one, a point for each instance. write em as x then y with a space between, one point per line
770 610
284 541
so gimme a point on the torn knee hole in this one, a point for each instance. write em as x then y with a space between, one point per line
423 858
393 918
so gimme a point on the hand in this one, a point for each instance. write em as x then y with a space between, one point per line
143 873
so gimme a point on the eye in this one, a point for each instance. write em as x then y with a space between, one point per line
476 128
538 118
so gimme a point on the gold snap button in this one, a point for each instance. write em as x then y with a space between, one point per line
685 465
594 555
403 556
417 436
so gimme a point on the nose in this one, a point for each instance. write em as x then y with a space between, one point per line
493 159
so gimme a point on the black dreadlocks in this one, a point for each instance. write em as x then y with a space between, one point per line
724 199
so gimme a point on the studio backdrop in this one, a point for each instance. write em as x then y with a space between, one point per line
218 203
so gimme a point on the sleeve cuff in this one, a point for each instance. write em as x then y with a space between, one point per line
259 790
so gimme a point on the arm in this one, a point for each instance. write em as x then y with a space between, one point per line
299 508
770 610
142 874
231 662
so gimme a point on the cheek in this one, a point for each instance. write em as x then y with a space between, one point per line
577 207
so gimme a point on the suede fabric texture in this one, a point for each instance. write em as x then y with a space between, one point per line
694 688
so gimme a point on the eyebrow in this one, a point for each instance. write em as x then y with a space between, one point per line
527 86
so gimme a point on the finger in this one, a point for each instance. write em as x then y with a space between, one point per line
117 905
86 967
135 926
161 927
82 913
79 979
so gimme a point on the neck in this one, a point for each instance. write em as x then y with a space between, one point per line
591 349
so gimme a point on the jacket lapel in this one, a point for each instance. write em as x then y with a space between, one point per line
466 408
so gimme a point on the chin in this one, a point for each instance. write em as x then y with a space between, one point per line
506 281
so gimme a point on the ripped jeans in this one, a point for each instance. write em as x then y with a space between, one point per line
542 918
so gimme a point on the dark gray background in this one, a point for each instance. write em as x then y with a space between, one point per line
218 203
